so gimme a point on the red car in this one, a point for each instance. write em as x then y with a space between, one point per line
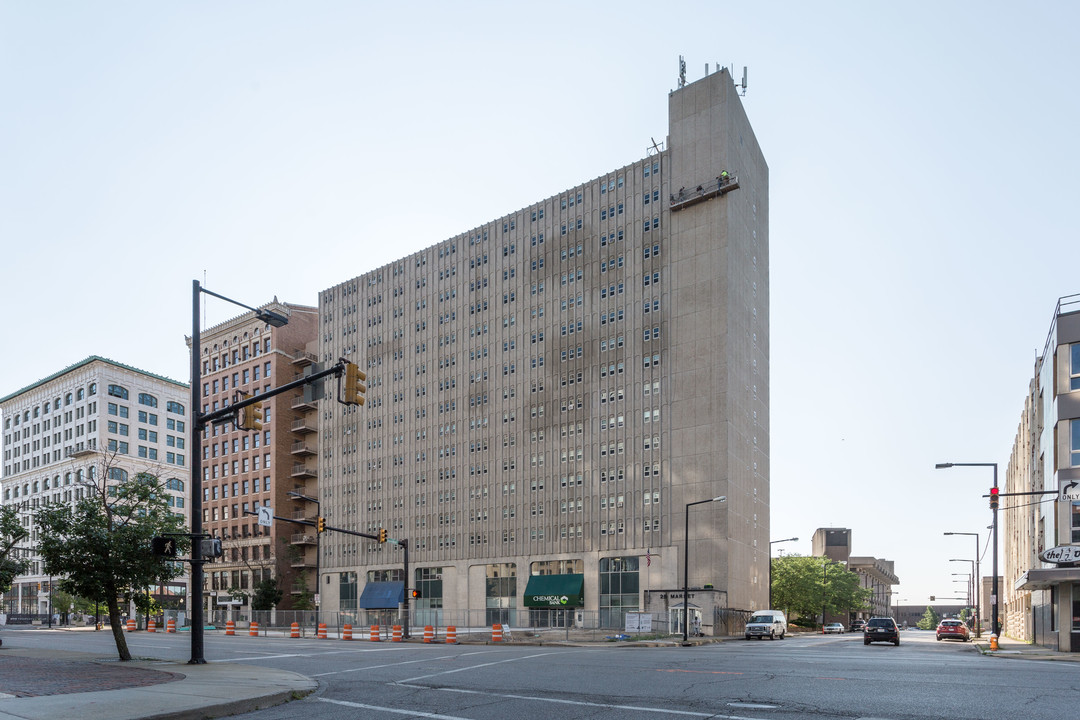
955 629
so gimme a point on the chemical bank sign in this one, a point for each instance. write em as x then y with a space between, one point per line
1061 554
550 600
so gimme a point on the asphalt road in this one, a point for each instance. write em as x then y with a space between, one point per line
809 676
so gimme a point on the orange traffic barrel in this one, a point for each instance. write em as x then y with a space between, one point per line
346 632
374 637
429 633
496 633
151 626
170 625
131 625
396 636
295 630
322 631
451 635
254 631
230 627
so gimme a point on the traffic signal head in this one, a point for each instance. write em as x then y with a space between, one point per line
251 416
382 535
415 594
320 524
354 385
994 498
932 598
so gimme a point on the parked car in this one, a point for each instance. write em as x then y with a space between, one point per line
955 629
834 628
770 624
881 629
857 625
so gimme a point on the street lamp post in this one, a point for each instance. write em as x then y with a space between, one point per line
977 582
994 531
195 429
318 548
771 543
686 565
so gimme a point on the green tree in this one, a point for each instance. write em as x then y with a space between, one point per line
101 543
930 619
267 594
11 533
804 586
305 599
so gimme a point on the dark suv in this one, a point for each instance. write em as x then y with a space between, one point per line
881 629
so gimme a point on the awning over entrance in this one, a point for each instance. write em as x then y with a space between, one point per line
382 596
1044 578
555 591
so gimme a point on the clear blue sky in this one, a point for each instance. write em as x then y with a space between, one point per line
923 162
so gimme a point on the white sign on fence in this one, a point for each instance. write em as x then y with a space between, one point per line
638 622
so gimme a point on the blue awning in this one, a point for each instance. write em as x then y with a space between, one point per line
382 596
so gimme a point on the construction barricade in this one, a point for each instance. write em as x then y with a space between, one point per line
253 631
151 626
374 637
429 633
346 632
496 633
295 630
131 625
396 636
451 635
170 625
230 627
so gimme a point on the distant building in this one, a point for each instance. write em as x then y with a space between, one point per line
245 470
1040 600
875 574
62 432
549 391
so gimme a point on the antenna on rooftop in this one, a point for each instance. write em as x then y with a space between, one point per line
743 93
654 149
682 72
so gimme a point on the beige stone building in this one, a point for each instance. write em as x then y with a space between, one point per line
245 470
875 574
549 390
1040 600
59 434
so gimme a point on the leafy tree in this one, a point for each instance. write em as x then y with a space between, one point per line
804 586
267 594
11 533
101 543
930 619
305 600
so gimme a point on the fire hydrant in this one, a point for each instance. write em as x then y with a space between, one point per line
993 642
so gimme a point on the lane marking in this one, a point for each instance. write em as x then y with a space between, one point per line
377 667
476 667
396 711
582 703
700 672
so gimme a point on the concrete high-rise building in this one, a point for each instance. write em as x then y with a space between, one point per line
1041 599
549 390
245 470
94 419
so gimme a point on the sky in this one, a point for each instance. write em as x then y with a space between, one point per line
922 162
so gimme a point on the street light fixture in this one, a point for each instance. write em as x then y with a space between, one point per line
686 565
771 543
196 426
994 531
977 583
318 547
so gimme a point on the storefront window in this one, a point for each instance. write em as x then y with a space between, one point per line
1076 607
618 590
501 593
347 591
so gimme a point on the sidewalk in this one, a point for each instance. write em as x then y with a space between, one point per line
60 685
1010 648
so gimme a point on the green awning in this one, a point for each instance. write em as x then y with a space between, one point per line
555 591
